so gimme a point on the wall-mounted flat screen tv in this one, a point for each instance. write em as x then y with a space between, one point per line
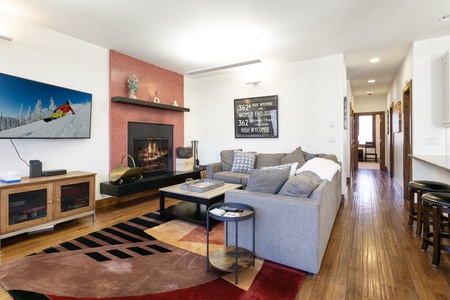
36 110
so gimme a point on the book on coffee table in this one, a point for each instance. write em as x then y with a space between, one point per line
217 211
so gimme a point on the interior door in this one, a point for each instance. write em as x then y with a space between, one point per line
407 137
391 142
353 142
382 141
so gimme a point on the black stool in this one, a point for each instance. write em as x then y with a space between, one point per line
420 187
437 203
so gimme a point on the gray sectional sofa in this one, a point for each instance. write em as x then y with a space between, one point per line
293 218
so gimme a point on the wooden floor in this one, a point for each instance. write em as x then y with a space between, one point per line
372 253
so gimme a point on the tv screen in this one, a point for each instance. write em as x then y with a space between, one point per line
36 110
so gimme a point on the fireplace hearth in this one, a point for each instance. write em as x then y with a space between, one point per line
151 146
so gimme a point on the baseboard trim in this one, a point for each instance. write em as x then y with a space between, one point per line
105 202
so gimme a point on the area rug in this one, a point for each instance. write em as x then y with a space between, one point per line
126 261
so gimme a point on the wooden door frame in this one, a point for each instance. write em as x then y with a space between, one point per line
407 136
391 141
381 141
353 142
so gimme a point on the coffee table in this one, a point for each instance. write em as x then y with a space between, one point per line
196 204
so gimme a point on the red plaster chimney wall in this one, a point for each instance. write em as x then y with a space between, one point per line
170 87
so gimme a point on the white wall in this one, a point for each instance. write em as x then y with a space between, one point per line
395 94
369 104
310 100
47 56
428 95
423 65
428 105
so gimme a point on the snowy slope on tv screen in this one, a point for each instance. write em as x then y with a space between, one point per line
31 109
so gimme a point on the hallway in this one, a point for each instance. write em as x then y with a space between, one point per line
373 253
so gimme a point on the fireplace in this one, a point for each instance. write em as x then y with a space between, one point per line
151 146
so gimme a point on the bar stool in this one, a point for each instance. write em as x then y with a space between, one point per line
420 187
437 203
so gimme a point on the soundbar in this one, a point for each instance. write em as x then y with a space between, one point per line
54 172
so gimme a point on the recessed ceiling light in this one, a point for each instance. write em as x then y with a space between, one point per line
369 93
444 18
371 81
374 60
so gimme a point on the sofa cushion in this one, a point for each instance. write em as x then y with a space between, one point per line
309 156
295 156
301 185
324 168
268 159
329 156
231 177
243 162
267 181
292 167
226 158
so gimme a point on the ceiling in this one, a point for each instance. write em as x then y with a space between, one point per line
185 35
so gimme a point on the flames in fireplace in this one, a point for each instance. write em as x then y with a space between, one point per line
151 154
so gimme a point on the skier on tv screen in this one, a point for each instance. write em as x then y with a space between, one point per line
61 110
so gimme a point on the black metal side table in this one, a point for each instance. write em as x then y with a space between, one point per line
233 258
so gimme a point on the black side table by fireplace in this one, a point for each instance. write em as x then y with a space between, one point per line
230 259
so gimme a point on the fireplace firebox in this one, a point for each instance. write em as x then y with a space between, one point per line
151 146
151 154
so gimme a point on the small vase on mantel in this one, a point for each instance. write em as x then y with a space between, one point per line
156 99
133 85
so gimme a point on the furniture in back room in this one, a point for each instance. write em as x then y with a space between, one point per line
371 151
360 155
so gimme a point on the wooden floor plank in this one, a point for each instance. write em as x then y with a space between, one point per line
372 252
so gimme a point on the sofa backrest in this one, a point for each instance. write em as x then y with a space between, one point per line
268 159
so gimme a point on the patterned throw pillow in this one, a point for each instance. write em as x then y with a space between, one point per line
243 162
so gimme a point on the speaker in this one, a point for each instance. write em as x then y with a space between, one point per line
54 172
35 168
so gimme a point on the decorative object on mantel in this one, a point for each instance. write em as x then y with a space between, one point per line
175 103
133 85
156 99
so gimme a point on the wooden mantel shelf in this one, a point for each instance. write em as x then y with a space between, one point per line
149 104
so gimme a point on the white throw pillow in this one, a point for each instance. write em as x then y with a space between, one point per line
324 168
293 167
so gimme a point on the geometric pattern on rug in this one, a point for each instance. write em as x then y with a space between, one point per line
192 238
124 262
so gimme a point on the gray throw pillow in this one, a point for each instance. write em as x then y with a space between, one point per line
267 181
309 156
301 185
294 156
226 158
243 162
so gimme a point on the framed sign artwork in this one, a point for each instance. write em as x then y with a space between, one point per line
256 117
